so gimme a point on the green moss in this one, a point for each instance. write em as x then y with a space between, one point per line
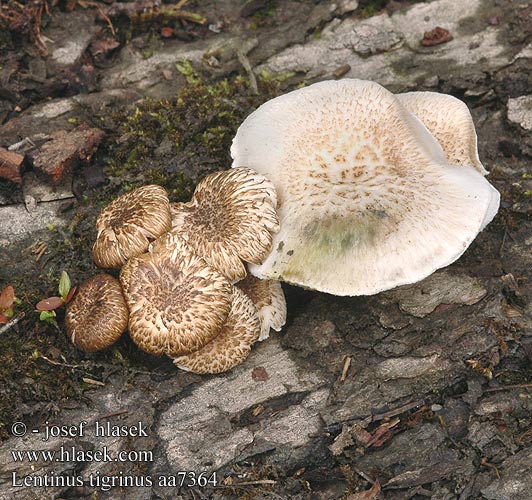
174 142
370 8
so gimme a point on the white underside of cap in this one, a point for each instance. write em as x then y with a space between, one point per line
367 200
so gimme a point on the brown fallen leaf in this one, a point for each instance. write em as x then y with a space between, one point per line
383 433
370 494
7 297
167 32
259 373
101 47
436 36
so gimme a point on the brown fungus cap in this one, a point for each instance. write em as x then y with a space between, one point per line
97 315
177 302
229 219
128 224
268 297
232 345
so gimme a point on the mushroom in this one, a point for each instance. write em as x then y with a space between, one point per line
232 345
177 302
230 218
367 200
128 224
449 121
268 297
97 315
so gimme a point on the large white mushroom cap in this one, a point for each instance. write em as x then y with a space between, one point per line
367 199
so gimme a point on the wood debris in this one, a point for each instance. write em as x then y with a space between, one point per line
59 156
11 166
437 36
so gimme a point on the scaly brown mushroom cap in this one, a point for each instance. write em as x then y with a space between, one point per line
97 315
128 224
268 297
232 345
229 219
177 302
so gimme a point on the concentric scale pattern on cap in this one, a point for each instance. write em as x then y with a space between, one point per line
128 224
367 199
97 315
229 219
177 302
232 345
268 297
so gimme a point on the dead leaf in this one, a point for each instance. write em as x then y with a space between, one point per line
370 494
383 433
259 373
103 46
7 298
167 32
3 319
436 36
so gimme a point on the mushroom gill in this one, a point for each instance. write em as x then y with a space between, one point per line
268 297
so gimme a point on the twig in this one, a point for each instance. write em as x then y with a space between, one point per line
106 18
12 323
392 413
508 387
244 61
485 463
59 363
253 483
347 364
113 414
362 474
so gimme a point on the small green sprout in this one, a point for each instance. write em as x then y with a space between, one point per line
47 306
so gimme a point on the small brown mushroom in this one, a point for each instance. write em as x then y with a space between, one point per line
268 297
232 345
229 219
97 315
128 224
177 302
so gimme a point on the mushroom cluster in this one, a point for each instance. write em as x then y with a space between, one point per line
375 190
340 187
179 265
